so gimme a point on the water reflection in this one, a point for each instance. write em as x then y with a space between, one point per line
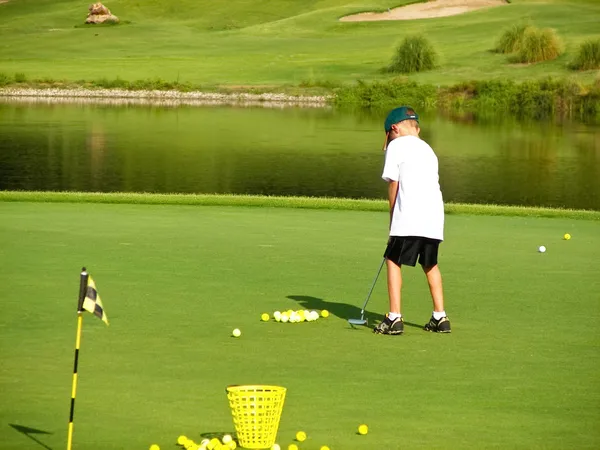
315 152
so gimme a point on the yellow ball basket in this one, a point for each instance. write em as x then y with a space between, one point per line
256 411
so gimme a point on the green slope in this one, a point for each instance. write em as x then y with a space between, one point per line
269 42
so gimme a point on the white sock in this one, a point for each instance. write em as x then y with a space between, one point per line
438 315
393 316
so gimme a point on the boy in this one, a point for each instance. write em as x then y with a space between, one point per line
416 217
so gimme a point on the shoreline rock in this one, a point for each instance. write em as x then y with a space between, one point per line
155 97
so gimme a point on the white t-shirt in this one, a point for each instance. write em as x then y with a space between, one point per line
419 209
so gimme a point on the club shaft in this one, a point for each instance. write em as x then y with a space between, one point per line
362 312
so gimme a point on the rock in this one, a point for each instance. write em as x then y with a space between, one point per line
100 14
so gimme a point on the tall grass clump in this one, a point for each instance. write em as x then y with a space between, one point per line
4 79
538 45
588 57
20 77
511 40
414 54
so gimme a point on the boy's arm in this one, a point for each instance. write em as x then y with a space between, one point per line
392 193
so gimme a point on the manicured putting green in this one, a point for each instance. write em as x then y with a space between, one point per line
520 369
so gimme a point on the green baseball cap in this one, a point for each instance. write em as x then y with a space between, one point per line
398 115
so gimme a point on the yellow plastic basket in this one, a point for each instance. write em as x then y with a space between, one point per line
256 411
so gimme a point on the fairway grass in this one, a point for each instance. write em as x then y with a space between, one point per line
273 43
281 202
520 369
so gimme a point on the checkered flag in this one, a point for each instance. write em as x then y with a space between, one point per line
92 302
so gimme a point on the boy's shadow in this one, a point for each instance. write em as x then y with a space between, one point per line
341 310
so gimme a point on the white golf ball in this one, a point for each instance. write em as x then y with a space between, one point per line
284 317
541 249
277 316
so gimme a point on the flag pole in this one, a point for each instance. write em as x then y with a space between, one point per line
82 290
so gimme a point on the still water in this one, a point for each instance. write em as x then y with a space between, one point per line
286 151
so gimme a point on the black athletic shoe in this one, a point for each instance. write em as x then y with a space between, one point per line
390 326
438 326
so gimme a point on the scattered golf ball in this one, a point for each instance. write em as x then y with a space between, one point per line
324 447
285 317
363 429
541 249
276 447
324 313
181 440
300 436
232 445
204 441
265 318
236 332
154 447
292 447
277 316
567 236
226 439
214 442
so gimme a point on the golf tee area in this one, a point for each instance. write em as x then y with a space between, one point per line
519 370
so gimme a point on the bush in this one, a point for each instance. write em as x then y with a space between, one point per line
511 40
538 45
588 57
4 79
414 54
20 77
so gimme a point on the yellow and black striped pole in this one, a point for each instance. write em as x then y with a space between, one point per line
82 293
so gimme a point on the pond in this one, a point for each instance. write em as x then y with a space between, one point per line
286 151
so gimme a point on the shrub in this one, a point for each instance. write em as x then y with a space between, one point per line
4 79
538 45
588 57
414 54
511 40
20 77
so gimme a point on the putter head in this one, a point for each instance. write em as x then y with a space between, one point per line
357 321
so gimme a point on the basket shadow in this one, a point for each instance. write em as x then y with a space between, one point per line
218 434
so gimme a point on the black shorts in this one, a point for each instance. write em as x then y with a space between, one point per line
405 250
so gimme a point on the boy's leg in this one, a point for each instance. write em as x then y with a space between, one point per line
393 323
394 281
434 279
439 322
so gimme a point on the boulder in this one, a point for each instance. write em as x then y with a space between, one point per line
100 14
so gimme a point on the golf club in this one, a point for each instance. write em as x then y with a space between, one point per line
362 320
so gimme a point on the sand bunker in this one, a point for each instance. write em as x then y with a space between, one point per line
428 10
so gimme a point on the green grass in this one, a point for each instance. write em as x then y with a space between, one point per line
588 56
538 46
281 202
512 39
519 370
414 54
270 43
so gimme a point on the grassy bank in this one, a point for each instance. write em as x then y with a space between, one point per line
281 202
268 44
539 99
175 281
